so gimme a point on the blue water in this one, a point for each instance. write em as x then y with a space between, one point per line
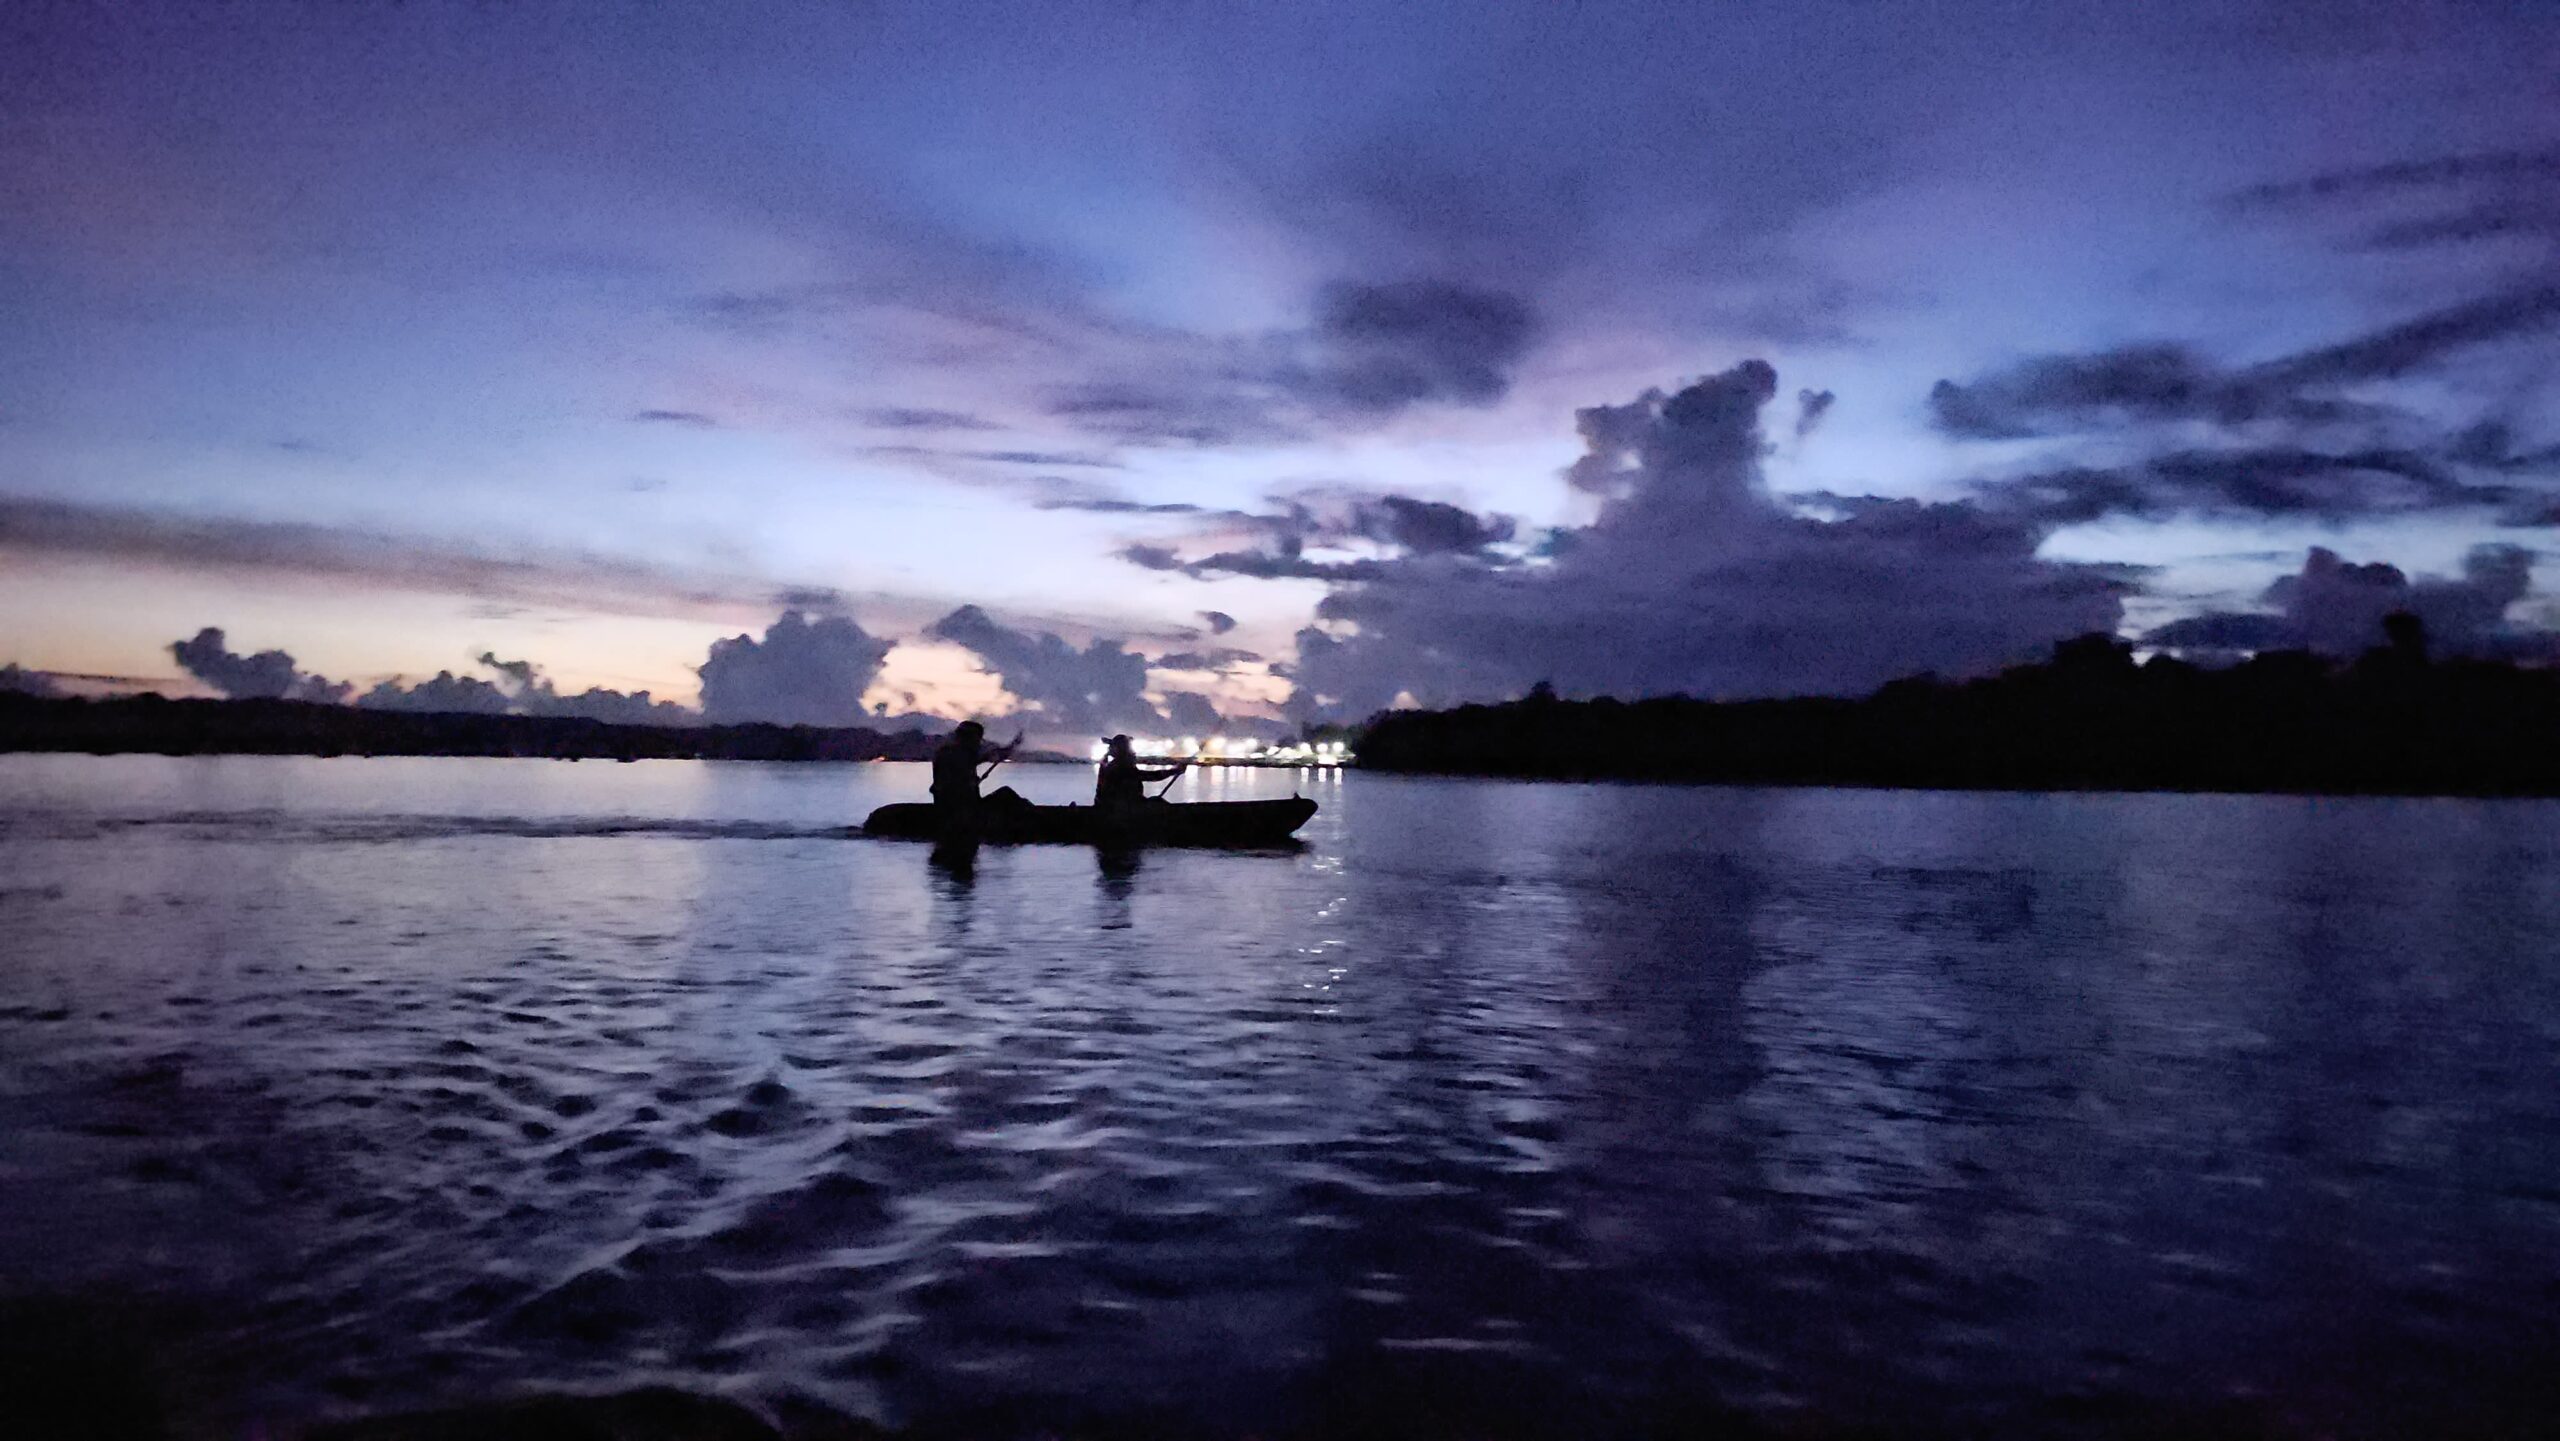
351 1087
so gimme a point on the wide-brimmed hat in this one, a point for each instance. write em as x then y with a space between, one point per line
1117 741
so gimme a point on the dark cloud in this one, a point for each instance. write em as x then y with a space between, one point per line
2431 203
1335 517
2267 481
803 672
1205 411
2397 350
1370 352
1096 689
18 680
1192 713
1694 579
1221 658
267 675
1385 347
1811 406
2336 606
1262 565
676 417
2075 391
1430 527
444 692
1108 505
2336 431
1219 621
905 418
2056 394
2433 173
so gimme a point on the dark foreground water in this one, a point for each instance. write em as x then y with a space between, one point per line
342 1088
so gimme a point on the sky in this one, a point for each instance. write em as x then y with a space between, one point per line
1168 367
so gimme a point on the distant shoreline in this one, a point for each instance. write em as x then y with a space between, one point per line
2283 723
155 725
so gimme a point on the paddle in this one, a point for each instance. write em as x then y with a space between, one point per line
1010 747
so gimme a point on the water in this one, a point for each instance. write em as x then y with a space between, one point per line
335 1088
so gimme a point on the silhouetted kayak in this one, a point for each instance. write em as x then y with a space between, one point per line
1158 823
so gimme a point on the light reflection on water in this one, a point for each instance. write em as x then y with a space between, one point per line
1500 1108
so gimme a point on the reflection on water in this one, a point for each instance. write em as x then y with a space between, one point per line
351 1087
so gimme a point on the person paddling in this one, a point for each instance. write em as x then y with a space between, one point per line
1121 787
959 765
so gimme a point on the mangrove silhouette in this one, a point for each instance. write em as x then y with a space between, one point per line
153 724
2092 718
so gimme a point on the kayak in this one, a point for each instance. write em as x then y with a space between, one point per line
1158 823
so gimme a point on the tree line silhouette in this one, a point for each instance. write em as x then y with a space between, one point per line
155 724
2091 718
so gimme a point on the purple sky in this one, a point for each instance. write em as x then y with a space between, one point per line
1019 349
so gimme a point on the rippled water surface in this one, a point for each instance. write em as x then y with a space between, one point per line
357 1086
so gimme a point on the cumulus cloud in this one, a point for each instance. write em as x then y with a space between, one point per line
1693 578
803 672
1218 621
2336 606
267 675
1096 689
18 680
443 692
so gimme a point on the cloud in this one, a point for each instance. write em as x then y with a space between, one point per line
1334 517
444 691
267 675
1431 527
1219 622
2344 430
1113 505
18 680
487 571
1069 458
1382 348
693 418
2336 607
906 418
1694 579
2264 481
1096 689
1192 713
2431 203
1811 407
1370 351
1221 658
1205 412
803 672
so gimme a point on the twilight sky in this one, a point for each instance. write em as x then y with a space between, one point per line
1130 366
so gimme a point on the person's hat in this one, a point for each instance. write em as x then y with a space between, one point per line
1118 741
969 728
